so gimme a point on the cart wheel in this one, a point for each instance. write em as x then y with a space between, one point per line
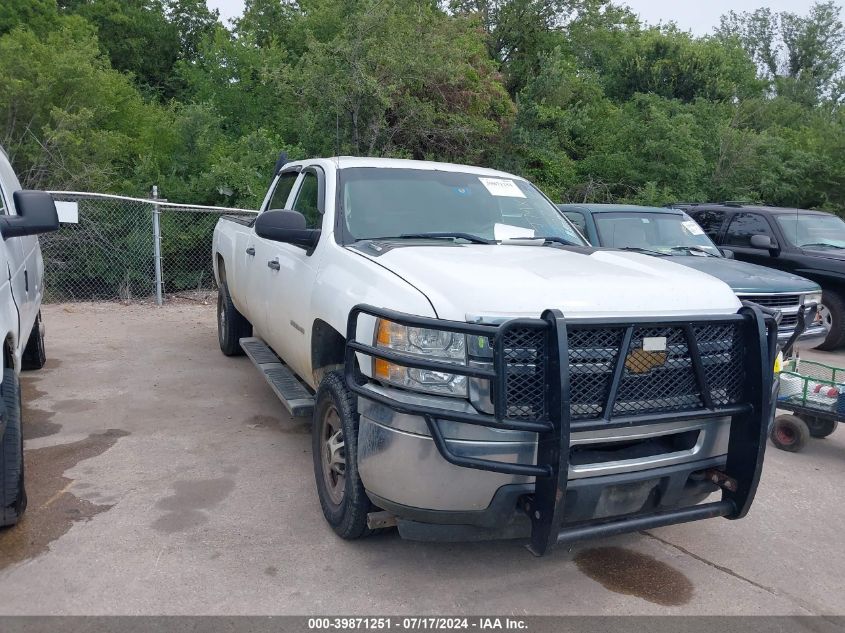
789 433
819 427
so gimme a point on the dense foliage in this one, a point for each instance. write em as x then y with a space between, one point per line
579 95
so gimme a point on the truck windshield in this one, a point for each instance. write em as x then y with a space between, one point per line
813 230
665 233
385 203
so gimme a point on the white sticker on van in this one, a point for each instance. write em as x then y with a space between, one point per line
68 212
502 187
692 227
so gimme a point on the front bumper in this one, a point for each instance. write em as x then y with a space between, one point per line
432 472
812 335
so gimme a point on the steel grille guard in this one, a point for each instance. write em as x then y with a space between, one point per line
746 447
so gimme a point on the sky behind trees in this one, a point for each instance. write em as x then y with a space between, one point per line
693 15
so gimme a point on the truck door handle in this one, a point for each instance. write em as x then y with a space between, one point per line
273 264
250 251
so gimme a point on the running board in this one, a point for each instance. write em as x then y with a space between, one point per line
294 395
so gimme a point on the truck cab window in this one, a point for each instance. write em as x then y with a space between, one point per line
577 218
710 221
282 191
306 200
743 226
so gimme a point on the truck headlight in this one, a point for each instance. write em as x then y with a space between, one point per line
813 297
431 344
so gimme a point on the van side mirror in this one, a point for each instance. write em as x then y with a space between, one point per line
286 226
762 242
36 214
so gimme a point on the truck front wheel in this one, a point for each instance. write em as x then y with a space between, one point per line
832 311
232 326
12 491
334 445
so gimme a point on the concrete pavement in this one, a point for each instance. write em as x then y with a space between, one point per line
165 478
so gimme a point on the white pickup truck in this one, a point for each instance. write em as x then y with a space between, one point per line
23 214
475 370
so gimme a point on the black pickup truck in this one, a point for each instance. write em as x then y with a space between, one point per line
808 243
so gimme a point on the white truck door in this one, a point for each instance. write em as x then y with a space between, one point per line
291 281
16 272
254 252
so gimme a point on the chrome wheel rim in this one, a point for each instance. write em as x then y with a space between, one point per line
333 454
827 317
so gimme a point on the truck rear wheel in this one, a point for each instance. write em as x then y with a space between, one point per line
819 427
789 433
35 352
334 445
832 311
12 490
232 326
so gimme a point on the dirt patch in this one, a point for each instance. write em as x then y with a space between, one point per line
271 571
295 427
259 421
185 508
74 405
52 508
29 390
635 574
52 363
36 422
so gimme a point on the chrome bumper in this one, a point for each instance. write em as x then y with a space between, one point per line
399 462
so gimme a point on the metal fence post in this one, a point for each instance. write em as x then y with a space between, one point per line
157 247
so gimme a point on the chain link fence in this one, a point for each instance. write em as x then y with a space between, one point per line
129 249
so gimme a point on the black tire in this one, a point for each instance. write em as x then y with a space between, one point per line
12 489
35 352
833 312
819 427
232 326
789 433
345 505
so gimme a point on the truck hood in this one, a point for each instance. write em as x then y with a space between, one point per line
496 281
745 277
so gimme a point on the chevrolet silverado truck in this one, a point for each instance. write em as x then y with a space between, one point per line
23 214
474 369
666 232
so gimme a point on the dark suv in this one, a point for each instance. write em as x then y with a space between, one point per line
808 243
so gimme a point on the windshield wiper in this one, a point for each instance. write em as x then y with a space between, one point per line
817 244
469 237
646 251
551 239
694 249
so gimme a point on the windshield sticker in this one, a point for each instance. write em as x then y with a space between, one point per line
502 187
509 232
692 227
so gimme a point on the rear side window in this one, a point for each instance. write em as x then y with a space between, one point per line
710 221
577 218
283 187
743 226
307 200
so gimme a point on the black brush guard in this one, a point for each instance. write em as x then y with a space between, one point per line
747 435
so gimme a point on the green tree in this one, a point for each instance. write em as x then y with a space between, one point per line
136 35
38 15
803 56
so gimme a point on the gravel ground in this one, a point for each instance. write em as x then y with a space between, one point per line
165 478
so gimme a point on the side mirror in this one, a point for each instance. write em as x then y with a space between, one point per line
36 214
286 226
762 242
727 253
